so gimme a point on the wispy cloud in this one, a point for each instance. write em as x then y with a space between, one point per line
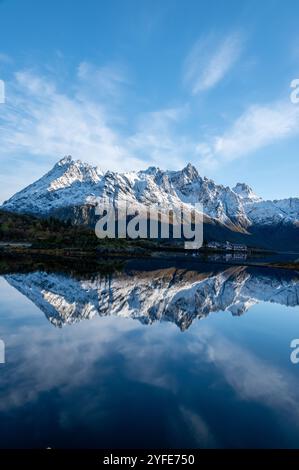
248 374
199 428
158 140
106 81
5 58
258 127
209 61
40 120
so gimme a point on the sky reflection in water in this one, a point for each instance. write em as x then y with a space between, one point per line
143 370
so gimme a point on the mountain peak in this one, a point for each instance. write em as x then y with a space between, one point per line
152 170
67 159
74 184
68 172
190 171
245 192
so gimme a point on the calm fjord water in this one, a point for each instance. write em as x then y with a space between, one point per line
155 356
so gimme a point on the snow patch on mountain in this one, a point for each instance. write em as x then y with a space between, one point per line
73 183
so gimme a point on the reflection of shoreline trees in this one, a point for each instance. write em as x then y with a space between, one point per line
80 266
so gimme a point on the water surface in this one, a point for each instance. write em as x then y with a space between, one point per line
154 356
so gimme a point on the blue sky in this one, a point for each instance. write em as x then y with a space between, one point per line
125 84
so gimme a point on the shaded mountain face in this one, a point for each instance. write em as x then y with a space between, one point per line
171 294
72 188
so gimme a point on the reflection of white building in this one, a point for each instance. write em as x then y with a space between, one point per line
240 247
213 245
227 246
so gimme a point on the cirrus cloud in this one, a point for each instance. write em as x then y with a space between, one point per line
209 60
258 127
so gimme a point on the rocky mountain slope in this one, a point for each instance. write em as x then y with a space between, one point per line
71 189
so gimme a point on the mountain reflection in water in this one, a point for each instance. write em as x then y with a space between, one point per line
169 294
114 382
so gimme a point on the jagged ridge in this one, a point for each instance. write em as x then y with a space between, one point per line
72 187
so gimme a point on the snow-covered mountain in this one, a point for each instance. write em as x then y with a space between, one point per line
171 294
71 189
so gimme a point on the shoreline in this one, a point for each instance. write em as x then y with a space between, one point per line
95 257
